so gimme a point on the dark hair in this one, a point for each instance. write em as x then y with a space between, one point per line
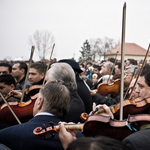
22 65
56 98
132 61
97 66
103 61
7 65
119 65
39 66
146 73
111 60
97 143
89 63
82 65
7 79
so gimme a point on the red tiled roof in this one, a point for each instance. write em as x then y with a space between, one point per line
130 49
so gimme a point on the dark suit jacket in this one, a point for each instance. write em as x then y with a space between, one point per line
76 109
84 93
139 140
21 137
95 85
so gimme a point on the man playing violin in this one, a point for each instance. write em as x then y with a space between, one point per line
19 71
134 94
110 100
140 140
7 84
105 70
53 102
37 73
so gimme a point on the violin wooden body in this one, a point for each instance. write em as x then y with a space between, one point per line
140 119
33 90
105 89
24 111
129 107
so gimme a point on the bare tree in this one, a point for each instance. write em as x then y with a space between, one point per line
100 46
96 48
43 41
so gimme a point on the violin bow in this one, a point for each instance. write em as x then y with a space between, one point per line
113 66
140 71
49 63
31 55
10 108
122 60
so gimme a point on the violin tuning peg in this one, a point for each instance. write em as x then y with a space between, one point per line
51 124
44 127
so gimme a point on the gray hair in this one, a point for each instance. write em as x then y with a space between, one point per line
56 98
132 68
64 73
110 65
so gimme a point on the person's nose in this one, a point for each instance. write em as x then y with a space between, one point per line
137 89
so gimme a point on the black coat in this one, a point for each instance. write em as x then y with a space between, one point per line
84 93
76 109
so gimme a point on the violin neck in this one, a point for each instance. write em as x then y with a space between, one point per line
72 127
102 110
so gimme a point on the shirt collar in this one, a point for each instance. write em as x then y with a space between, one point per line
44 113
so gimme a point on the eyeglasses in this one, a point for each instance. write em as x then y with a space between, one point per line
127 74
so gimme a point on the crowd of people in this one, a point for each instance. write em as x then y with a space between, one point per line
67 90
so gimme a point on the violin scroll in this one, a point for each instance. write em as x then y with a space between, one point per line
84 116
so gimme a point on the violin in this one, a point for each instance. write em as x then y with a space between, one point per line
9 95
105 89
33 90
24 111
140 119
95 125
30 91
129 107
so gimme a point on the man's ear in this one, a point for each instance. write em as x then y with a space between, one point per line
22 70
12 86
42 75
40 103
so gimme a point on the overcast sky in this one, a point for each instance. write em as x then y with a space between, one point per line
71 22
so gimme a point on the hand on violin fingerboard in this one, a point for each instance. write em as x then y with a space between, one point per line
17 94
106 112
93 92
66 136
